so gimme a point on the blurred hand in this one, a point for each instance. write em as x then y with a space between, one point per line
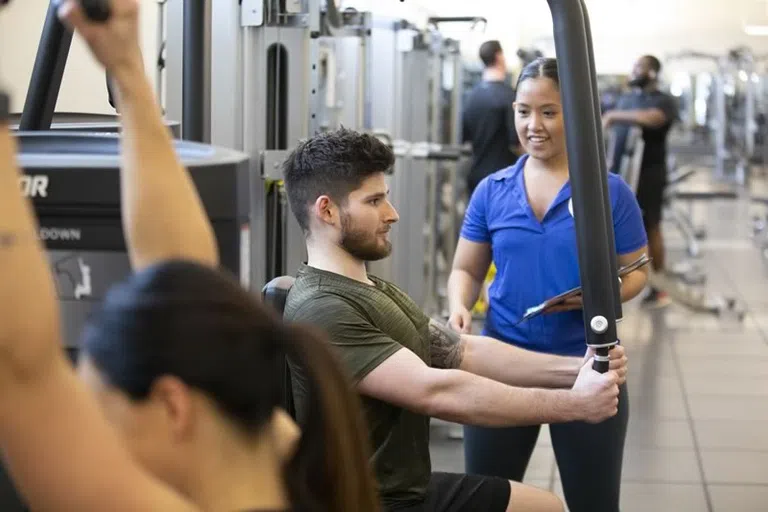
461 321
114 43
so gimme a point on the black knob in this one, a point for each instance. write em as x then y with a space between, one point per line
96 10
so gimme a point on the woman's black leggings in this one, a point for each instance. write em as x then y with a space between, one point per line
589 457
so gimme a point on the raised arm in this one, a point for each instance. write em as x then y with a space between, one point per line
59 450
163 217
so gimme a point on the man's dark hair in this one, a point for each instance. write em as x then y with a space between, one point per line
488 52
653 62
333 163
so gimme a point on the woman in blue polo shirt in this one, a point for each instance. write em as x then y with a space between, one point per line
521 218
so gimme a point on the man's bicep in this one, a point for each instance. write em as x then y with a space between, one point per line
446 346
403 380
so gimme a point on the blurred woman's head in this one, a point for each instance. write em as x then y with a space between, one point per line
539 112
182 358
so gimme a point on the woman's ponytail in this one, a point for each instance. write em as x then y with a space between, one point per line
331 469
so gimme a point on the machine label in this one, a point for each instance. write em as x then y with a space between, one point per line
251 13
66 234
74 277
34 186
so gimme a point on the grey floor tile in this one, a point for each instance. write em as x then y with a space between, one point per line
740 467
734 384
542 463
447 456
732 434
660 465
642 385
746 347
737 498
646 497
724 366
655 433
740 408
656 405
656 497
729 338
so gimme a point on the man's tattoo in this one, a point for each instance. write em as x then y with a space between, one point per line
446 346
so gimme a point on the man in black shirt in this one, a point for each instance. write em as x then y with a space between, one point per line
655 112
489 119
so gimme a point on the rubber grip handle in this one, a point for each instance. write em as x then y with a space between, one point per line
600 366
97 10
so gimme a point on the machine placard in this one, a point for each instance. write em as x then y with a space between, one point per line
252 13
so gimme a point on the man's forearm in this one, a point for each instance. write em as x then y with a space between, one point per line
468 399
650 118
515 366
30 312
163 217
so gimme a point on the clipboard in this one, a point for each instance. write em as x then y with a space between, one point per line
573 292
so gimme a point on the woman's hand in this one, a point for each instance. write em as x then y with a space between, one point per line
461 321
570 304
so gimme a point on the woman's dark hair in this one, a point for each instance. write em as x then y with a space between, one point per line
199 325
541 67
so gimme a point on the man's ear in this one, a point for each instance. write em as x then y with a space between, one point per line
325 210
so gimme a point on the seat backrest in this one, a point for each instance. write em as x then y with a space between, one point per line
275 294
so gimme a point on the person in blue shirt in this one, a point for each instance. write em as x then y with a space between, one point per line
521 218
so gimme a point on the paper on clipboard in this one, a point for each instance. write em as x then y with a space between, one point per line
558 299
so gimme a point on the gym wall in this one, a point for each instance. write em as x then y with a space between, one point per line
83 88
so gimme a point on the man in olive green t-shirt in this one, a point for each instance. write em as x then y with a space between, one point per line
406 367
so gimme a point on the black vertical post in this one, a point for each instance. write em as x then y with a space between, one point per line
603 164
47 73
592 212
193 71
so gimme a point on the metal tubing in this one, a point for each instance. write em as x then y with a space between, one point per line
603 163
192 127
47 73
592 212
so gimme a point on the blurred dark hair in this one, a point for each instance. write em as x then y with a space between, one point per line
653 63
488 52
198 324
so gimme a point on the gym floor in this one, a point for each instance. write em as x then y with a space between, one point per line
698 385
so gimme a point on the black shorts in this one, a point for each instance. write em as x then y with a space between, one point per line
650 195
448 492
